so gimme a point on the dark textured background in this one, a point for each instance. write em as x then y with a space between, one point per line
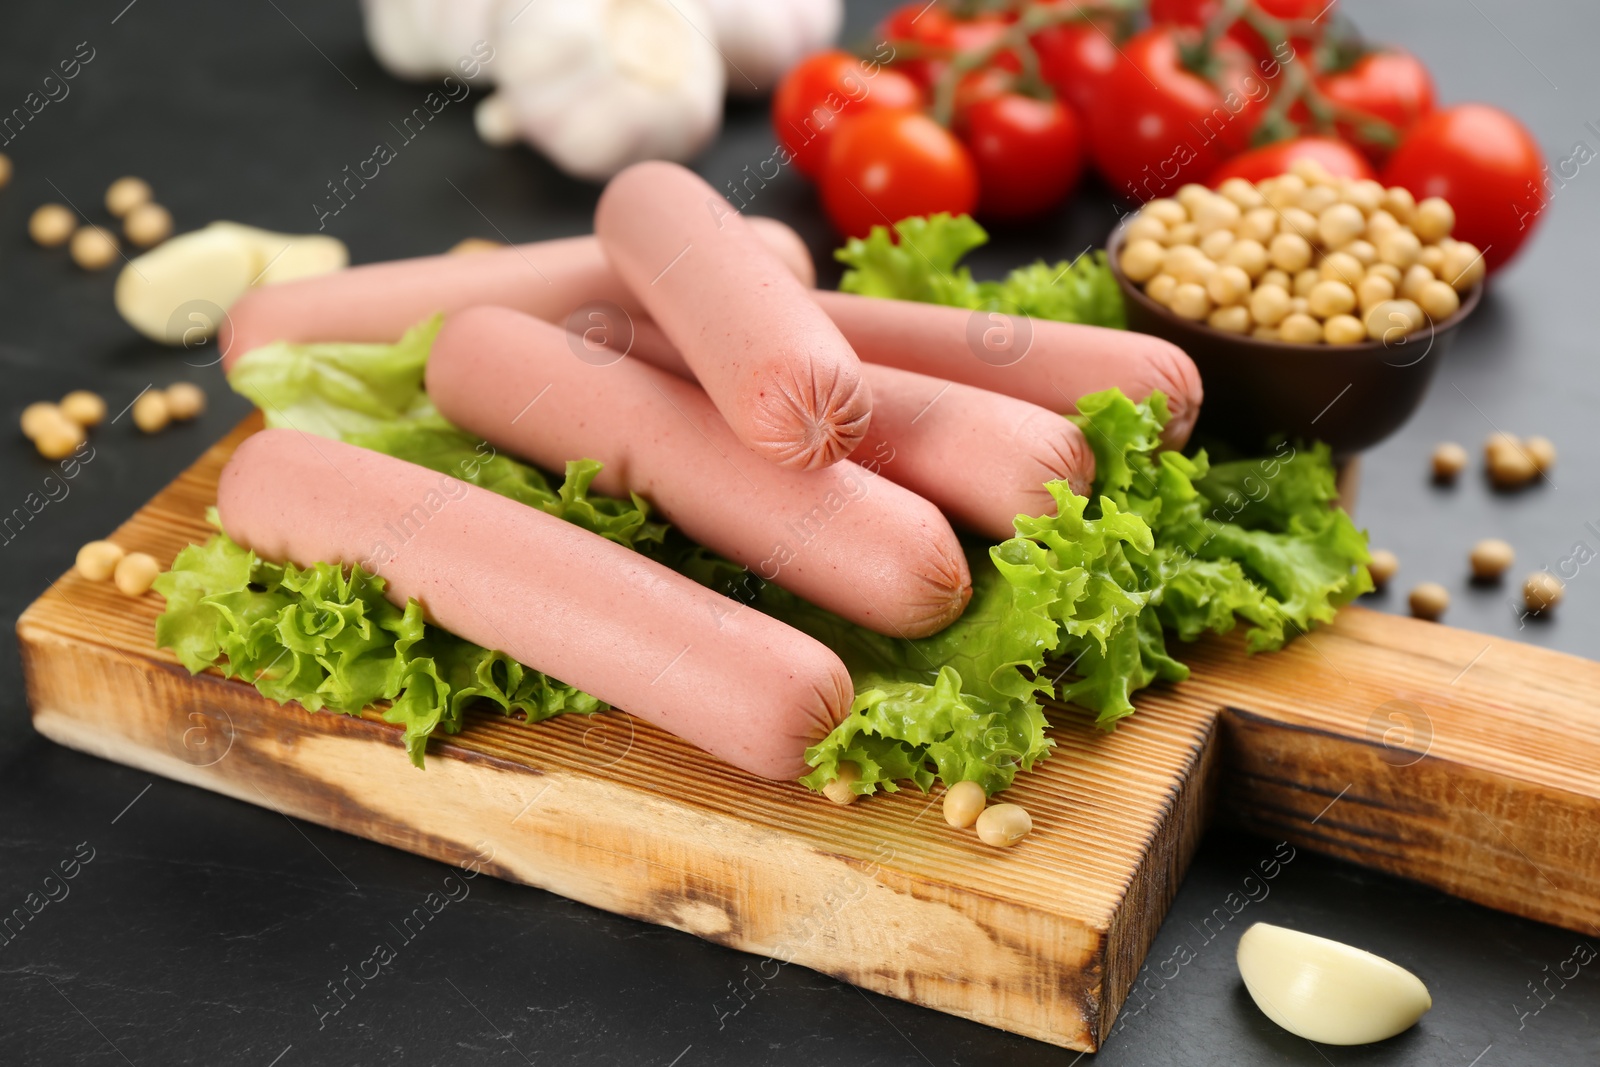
205 930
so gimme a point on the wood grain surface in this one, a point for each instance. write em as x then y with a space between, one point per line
1466 762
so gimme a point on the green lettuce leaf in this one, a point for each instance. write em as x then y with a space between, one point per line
916 262
961 704
326 638
1095 587
897 731
336 390
1083 291
1259 541
919 261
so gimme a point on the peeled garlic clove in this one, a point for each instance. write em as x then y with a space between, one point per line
1326 991
176 293
283 257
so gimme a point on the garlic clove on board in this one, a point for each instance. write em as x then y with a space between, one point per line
1327 991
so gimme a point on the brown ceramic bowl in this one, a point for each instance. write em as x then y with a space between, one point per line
1351 396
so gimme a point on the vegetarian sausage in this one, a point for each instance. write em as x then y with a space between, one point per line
553 596
551 279
841 537
1047 363
982 457
773 363
379 302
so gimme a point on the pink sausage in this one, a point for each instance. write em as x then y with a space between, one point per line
858 545
772 362
982 457
550 279
380 301
1062 362
722 676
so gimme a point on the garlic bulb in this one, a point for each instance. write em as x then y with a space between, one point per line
495 119
423 39
463 38
400 34
600 84
1327 991
761 39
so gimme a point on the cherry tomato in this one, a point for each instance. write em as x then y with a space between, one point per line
1029 153
886 165
1273 159
923 26
1184 12
1310 13
819 90
1158 125
1288 10
1075 59
984 84
967 35
912 27
909 21
1486 164
1392 86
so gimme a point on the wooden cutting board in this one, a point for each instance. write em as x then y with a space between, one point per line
1467 762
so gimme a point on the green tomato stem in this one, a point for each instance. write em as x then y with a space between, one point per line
1032 17
1325 114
